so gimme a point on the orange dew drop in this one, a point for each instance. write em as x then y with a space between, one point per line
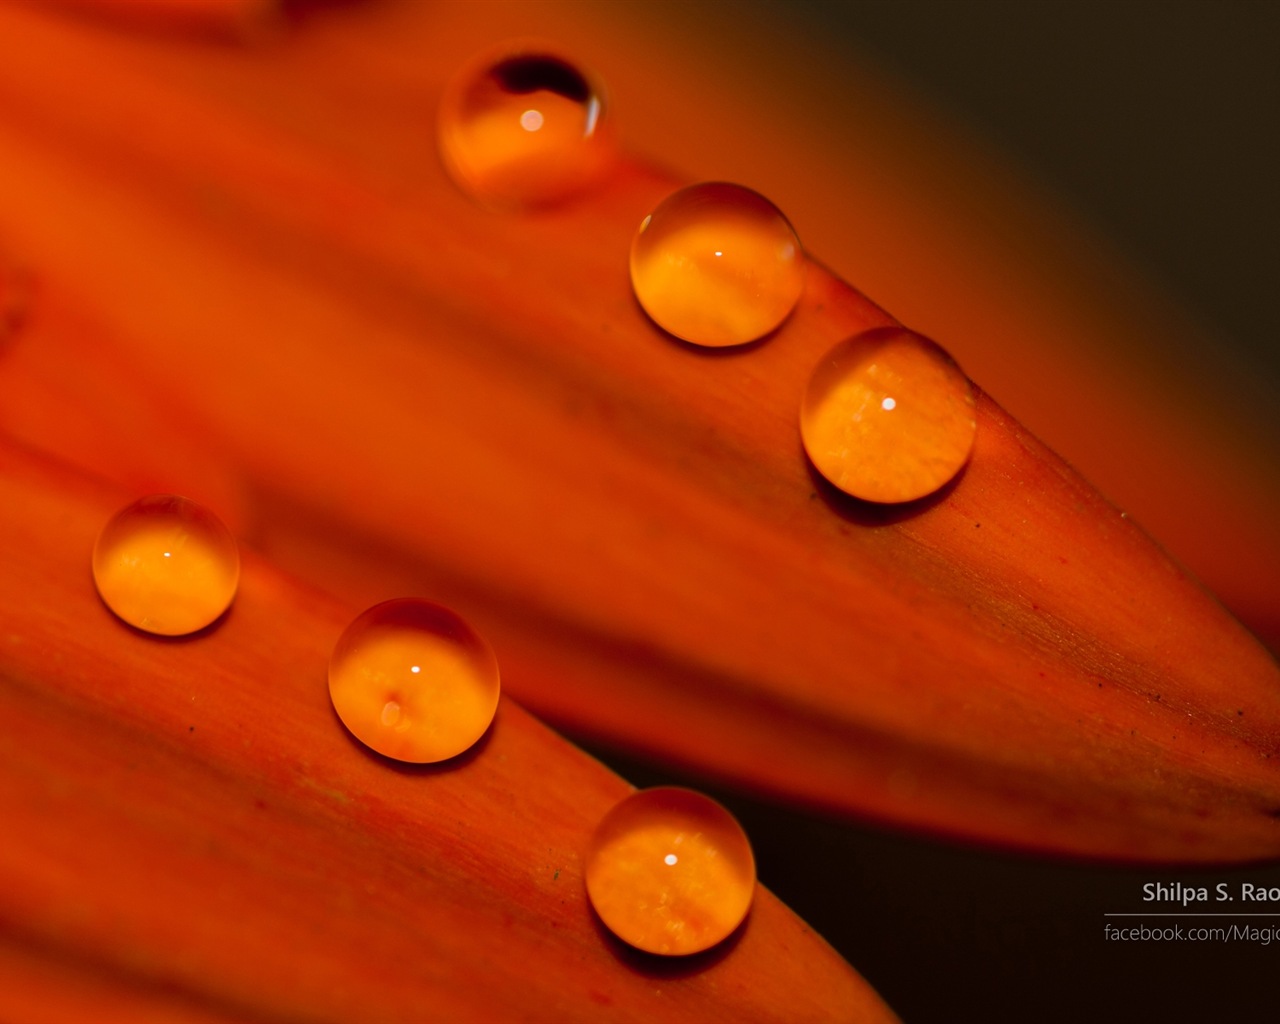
888 416
167 565
524 127
717 264
413 681
670 871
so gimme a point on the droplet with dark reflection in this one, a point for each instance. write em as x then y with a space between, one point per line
524 127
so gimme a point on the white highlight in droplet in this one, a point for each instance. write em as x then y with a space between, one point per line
670 858
888 405
531 120
593 116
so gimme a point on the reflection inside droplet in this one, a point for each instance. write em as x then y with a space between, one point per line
414 681
524 128
717 264
877 457
167 565
660 902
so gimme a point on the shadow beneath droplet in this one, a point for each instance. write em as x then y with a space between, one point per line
654 965
184 638
873 513
452 764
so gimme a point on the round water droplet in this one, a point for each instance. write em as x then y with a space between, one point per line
524 127
167 565
414 681
670 871
717 264
888 416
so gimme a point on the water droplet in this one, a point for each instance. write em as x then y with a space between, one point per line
167 565
524 127
717 264
414 681
656 901
888 416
